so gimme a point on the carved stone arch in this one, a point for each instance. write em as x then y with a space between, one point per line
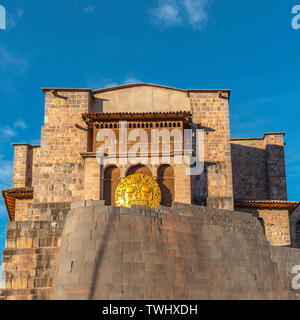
111 181
165 180
139 169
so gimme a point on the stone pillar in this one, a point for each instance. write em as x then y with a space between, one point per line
210 113
22 165
182 184
60 174
92 178
276 166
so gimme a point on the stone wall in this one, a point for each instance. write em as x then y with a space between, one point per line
140 98
286 259
258 168
55 211
249 170
29 259
31 250
184 252
276 224
21 209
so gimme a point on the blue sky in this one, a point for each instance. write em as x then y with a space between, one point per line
248 46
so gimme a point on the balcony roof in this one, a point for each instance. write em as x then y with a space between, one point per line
134 116
10 196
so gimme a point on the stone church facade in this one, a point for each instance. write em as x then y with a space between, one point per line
60 181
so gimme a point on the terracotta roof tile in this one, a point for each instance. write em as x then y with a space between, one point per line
276 204
18 190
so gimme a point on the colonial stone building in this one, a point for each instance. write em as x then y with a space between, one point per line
62 197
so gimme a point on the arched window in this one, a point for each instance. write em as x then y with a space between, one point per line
139 169
111 181
165 180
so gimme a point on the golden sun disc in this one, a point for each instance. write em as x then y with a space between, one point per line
138 189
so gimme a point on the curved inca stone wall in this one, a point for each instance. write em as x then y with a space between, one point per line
184 252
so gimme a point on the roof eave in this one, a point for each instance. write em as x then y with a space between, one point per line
67 90
291 206
262 138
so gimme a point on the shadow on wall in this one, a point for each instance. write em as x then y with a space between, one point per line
111 181
258 174
295 228
199 187
100 255
97 105
165 180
